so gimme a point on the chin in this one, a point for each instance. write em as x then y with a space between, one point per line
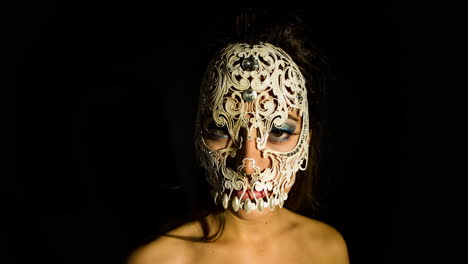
253 215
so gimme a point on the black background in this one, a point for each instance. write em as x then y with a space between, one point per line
104 109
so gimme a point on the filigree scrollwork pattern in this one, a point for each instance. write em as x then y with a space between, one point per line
226 95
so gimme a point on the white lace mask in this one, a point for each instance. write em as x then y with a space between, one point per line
252 88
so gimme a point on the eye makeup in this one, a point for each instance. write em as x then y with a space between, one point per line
214 132
282 133
277 134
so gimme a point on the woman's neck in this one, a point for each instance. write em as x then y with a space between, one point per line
254 227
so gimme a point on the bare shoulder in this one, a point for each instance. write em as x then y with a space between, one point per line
167 249
324 238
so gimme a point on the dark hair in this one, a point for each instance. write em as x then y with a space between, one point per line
288 31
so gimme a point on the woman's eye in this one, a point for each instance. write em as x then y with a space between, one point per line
279 134
214 132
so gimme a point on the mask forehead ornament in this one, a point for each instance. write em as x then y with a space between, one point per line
252 87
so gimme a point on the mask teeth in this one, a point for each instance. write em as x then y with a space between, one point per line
249 206
272 203
225 201
280 201
236 204
260 205
216 198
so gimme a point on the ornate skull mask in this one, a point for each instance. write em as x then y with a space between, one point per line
250 93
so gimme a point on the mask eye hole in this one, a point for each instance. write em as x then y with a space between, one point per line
215 137
214 132
285 137
282 133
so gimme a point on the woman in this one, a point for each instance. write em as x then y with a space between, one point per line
257 135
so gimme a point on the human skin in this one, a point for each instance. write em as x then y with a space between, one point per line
278 236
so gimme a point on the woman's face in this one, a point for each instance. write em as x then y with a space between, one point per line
283 138
252 127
